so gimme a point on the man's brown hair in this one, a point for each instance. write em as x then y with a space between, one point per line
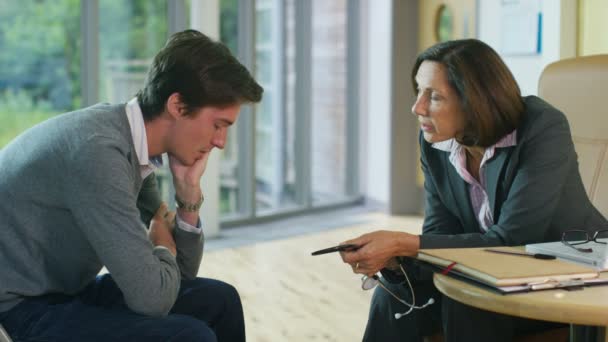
202 71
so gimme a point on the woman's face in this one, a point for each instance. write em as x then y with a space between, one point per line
437 104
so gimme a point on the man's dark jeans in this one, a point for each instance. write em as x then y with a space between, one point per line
206 310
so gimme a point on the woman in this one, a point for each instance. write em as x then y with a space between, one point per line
500 170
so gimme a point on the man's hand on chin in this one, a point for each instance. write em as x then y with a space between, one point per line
189 174
187 180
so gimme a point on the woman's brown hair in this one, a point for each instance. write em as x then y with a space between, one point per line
488 92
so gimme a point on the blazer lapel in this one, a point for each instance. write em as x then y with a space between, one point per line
493 171
460 193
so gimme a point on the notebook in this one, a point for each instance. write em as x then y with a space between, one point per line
501 270
597 259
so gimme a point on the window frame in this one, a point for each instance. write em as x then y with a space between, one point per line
247 212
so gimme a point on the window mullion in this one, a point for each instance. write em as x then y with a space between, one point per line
352 97
246 126
89 63
176 16
303 24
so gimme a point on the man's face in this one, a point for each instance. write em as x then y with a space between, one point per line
194 135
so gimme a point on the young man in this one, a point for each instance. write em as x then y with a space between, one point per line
79 192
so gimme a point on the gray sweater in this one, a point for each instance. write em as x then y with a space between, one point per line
73 201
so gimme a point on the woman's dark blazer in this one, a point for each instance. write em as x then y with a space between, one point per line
534 189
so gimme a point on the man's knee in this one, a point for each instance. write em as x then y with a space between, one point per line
190 329
200 332
228 293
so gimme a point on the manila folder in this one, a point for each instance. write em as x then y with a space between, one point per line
503 269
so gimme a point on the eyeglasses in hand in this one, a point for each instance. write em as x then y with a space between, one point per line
572 238
368 283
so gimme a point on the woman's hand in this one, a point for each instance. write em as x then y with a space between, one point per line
378 250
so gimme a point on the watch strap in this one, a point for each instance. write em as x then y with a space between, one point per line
189 206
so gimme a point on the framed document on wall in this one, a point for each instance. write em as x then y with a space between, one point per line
521 27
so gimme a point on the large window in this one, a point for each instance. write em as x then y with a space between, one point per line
230 172
130 34
40 49
61 55
289 153
274 176
328 101
294 153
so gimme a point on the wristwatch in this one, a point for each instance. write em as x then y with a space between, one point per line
189 206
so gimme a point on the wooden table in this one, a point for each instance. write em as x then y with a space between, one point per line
588 306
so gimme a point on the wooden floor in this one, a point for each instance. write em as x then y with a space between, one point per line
288 295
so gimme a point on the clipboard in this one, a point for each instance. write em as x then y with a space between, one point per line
569 285
508 273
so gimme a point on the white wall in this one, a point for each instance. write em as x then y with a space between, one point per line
558 35
376 154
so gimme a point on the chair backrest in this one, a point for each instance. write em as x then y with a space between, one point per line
579 88
4 336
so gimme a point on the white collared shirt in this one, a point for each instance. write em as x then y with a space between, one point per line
147 165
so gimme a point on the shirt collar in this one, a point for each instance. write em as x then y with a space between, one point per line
452 145
508 140
138 132
457 153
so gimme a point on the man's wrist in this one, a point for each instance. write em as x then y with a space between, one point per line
189 206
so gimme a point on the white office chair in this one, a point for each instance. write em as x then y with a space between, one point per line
577 87
4 336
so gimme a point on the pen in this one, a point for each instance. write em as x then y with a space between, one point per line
536 255
339 248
